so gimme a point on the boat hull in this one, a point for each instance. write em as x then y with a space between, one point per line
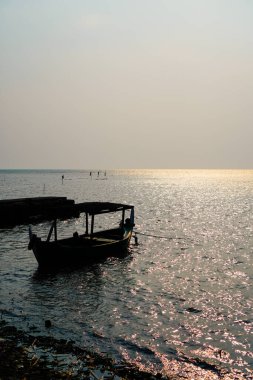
81 250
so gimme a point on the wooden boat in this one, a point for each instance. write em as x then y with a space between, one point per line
90 246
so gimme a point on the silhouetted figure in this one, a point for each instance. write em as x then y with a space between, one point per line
128 224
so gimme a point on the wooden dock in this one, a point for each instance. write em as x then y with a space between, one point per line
31 210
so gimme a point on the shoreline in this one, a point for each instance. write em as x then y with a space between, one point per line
24 356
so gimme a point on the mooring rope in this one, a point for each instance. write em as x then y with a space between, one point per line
158 237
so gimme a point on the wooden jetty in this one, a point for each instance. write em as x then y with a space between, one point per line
31 210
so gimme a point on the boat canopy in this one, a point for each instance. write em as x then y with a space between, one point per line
95 208
90 209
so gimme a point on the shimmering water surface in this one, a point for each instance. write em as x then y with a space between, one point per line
186 289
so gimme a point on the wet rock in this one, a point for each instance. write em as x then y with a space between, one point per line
48 323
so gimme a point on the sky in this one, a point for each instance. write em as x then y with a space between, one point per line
88 84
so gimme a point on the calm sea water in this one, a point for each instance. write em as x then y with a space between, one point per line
186 289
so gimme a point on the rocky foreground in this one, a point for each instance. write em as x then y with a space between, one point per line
27 357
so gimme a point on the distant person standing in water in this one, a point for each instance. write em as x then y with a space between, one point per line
62 178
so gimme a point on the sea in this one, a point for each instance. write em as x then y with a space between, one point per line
184 293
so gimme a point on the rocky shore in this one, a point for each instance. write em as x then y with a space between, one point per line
23 356
26 357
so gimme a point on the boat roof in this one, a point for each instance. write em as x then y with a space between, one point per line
94 208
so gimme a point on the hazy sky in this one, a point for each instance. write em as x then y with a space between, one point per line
126 84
